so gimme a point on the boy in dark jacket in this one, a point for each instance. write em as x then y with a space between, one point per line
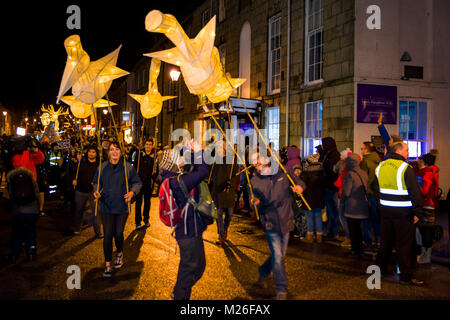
189 230
274 202
25 214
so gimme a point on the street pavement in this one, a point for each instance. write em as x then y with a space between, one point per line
314 271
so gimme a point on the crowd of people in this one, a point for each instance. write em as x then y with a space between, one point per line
372 201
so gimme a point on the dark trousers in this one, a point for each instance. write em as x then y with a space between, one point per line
223 224
356 236
24 231
80 199
427 236
191 268
144 196
113 226
398 232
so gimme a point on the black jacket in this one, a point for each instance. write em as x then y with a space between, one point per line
330 157
145 169
413 188
315 180
85 175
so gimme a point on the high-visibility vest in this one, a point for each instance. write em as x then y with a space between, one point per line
54 158
391 180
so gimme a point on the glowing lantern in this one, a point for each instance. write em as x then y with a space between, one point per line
52 116
83 110
89 81
152 101
198 59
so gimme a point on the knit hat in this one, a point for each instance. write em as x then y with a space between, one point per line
396 138
168 159
313 158
429 159
345 153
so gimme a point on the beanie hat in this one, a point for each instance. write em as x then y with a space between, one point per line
345 153
313 158
168 159
429 159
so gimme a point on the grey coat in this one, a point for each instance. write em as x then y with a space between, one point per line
353 192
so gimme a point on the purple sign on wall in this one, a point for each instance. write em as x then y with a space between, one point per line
373 100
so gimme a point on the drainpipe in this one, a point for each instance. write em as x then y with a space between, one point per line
288 70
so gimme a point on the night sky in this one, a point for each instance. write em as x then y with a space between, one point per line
32 53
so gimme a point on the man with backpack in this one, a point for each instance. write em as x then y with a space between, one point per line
189 229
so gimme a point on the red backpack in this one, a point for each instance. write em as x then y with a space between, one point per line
169 213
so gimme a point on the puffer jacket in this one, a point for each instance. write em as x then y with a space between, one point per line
429 184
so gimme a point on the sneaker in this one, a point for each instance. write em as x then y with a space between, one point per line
281 296
119 262
108 272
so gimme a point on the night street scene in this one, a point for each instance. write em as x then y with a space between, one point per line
212 158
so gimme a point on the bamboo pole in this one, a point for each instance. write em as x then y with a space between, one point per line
98 124
267 145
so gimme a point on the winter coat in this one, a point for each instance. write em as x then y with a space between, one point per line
329 159
86 174
113 186
219 176
293 156
146 162
353 193
28 160
195 225
429 185
314 177
369 163
31 208
275 208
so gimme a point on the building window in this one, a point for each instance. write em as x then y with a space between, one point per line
221 10
314 40
206 15
413 126
313 127
273 126
274 55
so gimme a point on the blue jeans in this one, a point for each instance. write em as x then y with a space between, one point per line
222 226
331 201
372 222
278 244
314 220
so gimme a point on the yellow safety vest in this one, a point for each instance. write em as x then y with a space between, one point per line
391 180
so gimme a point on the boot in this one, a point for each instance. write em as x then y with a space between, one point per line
309 238
319 237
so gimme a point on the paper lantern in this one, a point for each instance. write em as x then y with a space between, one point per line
152 101
89 81
83 110
52 115
197 58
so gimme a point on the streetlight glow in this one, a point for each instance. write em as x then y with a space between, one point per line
105 111
5 113
175 75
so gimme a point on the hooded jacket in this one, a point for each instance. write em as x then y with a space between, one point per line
354 189
429 184
113 186
219 176
195 225
31 208
28 160
314 177
330 157
275 209
369 163
293 157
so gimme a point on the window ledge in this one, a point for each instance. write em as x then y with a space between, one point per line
312 83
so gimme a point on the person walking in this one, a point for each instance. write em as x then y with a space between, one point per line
369 163
82 178
114 196
355 204
428 176
400 200
189 230
314 177
223 180
144 165
274 203
54 163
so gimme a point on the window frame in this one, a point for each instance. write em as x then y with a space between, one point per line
270 123
275 18
204 22
306 138
428 130
308 33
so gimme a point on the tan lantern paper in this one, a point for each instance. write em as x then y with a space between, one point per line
197 58
83 110
152 101
89 81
